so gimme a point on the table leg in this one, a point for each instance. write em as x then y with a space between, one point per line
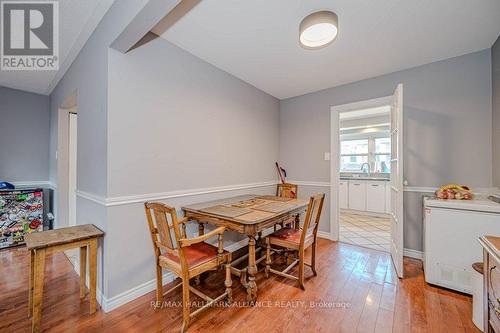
92 274
31 282
252 271
297 221
201 228
83 270
38 289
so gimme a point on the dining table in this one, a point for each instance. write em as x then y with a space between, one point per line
250 215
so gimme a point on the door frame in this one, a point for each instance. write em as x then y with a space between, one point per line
69 105
335 154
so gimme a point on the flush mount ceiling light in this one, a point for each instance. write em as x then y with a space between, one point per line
318 30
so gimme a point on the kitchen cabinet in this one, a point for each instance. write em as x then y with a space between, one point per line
344 194
365 195
375 196
357 194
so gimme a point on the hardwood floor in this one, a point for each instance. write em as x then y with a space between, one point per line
362 278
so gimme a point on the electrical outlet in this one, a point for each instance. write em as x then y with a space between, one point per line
327 156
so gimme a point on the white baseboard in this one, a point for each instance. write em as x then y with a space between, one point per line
109 304
413 254
325 235
114 302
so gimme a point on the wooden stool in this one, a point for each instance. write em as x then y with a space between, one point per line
42 243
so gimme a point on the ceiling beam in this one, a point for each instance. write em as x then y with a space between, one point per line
152 13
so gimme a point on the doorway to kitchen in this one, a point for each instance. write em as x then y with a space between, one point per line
366 174
364 155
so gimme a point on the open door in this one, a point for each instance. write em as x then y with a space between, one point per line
396 212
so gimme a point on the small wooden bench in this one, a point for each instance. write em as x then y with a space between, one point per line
42 243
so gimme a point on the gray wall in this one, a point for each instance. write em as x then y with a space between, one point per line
175 123
495 76
88 76
24 136
447 128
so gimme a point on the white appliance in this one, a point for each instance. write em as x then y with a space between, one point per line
451 232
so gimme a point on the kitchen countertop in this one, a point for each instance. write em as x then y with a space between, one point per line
365 178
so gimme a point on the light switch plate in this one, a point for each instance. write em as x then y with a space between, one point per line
327 156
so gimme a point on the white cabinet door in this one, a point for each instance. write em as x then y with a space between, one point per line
387 197
357 194
375 196
344 194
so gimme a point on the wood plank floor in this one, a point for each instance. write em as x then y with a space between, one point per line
362 278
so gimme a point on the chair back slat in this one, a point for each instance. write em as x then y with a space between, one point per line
313 216
163 229
287 190
165 235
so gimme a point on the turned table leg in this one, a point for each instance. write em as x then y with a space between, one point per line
201 229
252 271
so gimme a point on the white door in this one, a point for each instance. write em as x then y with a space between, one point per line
396 208
72 169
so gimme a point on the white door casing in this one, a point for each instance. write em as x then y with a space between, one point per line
72 168
335 154
396 183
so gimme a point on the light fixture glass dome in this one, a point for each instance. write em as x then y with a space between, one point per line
318 30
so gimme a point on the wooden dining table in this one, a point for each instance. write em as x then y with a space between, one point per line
250 215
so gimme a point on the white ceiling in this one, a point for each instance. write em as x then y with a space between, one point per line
77 21
257 40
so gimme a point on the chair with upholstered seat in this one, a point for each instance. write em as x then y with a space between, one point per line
287 190
297 240
186 258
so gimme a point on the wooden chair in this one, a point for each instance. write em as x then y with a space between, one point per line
186 258
298 240
287 190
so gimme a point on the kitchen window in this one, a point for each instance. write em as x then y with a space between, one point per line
375 151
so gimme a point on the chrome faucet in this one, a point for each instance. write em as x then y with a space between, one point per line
363 168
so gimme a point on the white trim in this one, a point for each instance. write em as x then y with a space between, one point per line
92 197
335 153
109 304
413 254
114 302
475 190
35 183
325 235
140 198
367 104
309 183
418 189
